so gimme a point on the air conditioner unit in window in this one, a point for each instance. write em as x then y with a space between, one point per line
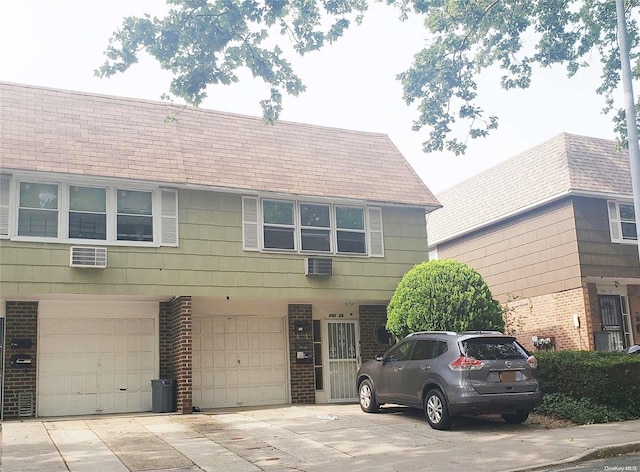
95 257
317 266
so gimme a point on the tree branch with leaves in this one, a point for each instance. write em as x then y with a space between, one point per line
206 42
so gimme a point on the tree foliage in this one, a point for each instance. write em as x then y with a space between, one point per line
442 295
205 42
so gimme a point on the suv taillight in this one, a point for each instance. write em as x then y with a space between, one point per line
532 362
466 363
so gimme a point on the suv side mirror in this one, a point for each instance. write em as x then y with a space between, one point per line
379 357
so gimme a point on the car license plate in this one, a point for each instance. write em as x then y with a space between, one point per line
508 376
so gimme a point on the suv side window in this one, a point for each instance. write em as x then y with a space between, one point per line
441 348
400 352
428 349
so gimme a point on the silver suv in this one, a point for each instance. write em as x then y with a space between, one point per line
449 374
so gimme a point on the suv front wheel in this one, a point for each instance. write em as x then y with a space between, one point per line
436 410
367 397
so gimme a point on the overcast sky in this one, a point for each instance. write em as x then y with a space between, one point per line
59 43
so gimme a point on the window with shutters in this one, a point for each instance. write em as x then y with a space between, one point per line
311 227
71 212
622 222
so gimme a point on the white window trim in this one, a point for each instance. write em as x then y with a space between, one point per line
615 222
252 221
63 212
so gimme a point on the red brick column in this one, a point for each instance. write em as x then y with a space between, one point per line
373 319
303 383
176 359
21 323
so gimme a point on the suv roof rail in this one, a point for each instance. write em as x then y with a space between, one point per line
450 333
482 332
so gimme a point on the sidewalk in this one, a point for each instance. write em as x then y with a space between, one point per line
309 438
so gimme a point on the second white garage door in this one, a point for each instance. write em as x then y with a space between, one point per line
239 362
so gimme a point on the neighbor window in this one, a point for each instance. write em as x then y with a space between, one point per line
622 222
628 222
38 210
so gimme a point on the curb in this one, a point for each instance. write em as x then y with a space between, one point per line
591 454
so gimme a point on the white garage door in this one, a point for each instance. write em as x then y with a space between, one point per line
96 365
239 361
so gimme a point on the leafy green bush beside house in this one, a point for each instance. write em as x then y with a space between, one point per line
590 386
443 295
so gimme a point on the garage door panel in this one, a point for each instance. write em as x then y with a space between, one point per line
85 362
92 326
232 357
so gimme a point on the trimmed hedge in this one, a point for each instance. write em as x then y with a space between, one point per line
579 384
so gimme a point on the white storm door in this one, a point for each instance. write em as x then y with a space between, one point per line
239 361
342 351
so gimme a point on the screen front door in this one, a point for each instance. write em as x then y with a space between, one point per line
611 316
342 351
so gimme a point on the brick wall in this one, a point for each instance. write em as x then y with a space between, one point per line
167 364
551 316
303 384
176 359
21 322
634 311
593 319
372 319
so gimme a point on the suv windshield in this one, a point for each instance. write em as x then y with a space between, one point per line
492 349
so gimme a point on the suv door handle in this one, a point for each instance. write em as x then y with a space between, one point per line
426 367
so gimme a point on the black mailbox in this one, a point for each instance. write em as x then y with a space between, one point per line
21 360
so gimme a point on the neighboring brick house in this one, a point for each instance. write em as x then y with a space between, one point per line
250 264
552 231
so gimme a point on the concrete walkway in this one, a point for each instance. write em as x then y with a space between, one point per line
298 438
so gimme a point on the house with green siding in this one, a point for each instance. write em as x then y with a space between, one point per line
231 262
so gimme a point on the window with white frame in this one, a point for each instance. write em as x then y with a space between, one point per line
278 224
311 227
134 216
315 227
622 222
38 210
350 233
68 212
87 213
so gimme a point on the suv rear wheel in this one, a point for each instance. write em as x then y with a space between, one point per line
520 416
436 410
367 397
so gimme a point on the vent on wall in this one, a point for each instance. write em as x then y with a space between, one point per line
316 266
25 404
95 257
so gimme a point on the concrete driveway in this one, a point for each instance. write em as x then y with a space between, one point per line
297 438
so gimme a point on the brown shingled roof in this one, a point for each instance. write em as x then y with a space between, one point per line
565 164
72 132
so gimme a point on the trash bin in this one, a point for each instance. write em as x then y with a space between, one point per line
163 395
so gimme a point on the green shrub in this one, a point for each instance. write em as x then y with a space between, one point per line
581 411
442 295
590 386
